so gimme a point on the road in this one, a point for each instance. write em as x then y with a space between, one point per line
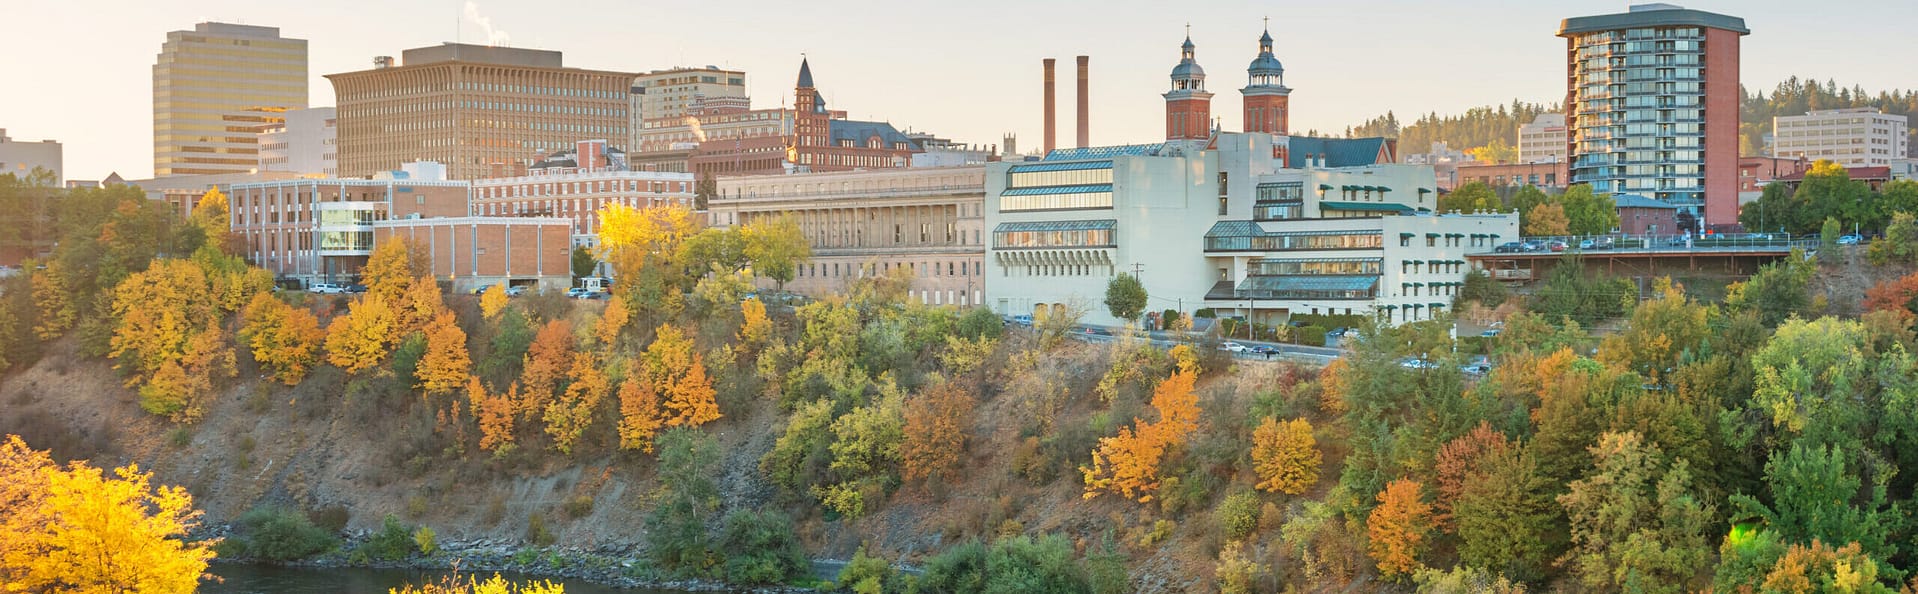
1164 340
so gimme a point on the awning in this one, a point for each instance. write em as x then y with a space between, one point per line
1365 207
1090 225
1078 166
1425 190
1438 306
1053 190
1324 187
1326 282
1431 236
1407 235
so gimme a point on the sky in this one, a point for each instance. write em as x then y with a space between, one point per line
80 71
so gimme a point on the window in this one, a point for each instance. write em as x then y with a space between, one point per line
1223 185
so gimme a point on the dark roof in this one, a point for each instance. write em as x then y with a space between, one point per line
805 74
1637 201
1856 173
1338 152
858 131
1657 17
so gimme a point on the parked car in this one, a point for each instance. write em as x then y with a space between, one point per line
1556 245
515 291
1416 363
325 288
1603 243
1231 347
1534 245
1265 349
577 292
1587 244
1493 333
599 295
356 288
1852 239
1022 320
1509 247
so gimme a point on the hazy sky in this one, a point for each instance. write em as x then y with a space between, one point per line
80 71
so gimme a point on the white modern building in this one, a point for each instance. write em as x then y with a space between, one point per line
1543 140
304 142
1853 137
1226 224
21 158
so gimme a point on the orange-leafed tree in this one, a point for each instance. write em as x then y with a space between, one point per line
445 365
360 338
494 412
639 417
283 338
1398 527
1899 294
612 320
547 360
79 529
1128 463
568 416
417 307
1333 385
1455 462
1286 456
493 302
937 422
687 397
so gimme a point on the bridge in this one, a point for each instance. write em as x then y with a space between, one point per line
1646 256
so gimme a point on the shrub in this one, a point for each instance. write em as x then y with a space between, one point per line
1237 515
332 518
1019 564
179 438
1237 573
277 534
760 548
579 507
425 539
393 542
865 574
536 532
1310 335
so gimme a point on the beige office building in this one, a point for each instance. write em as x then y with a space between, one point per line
1853 137
862 223
213 88
483 111
1543 140
680 92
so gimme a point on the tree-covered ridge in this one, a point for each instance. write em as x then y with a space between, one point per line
1490 125
1795 96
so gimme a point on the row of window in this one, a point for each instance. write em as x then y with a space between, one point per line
565 188
1008 203
1437 289
1267 267
919 269
1053 239
1296 242
1432 267
1032 179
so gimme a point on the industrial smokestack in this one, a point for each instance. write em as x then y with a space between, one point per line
1084 123
1051 133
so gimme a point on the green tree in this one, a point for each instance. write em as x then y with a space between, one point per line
1635 526
688 497
704 191
583 262
1587 213
1809 379
1526 199
1471 197
776 248
1900 195
760 548
1481 288
1505 516
1814 497
1779 290
1776 209
1125 298
1828 235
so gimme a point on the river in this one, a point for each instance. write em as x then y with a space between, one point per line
262 579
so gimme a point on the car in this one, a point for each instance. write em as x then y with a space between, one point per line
1603 243
598 295
1022 320
1265 349
1232 347
577 292
515 291
356 288
1680 241
1556 245
1534 245
1509 247
1587 244
1416 363
1493 333
1852 239
1476 368
325 288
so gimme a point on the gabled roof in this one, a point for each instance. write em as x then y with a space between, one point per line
858 131
1338 152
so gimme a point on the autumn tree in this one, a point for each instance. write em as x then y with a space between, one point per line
639 415
495 414
493 301
1398 527
390 271
1895 294
937 423
756 329
1285 455
568 416
679 373
54 299
1662 330
1457 460
612 320
360 338
1128 463
1547 220
210 215
417 307
547 362
1635 526
640 245
283 338
1820 568
1505 516
446 364
78 529
776 247
168 335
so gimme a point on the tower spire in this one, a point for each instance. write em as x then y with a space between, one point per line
1188 105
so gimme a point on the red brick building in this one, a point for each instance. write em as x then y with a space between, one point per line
727 140
474 252
1550 177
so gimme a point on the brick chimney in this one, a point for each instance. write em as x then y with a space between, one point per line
1051 136
1084 122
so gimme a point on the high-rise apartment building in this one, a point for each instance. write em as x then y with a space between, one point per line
1853 137
483 111
213 88
21 158
1652 106
680 92
1543 140
304 142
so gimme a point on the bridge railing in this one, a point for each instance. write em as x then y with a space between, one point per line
1661 243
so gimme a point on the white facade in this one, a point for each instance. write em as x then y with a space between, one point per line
1225 228
20 158
1543 140
304 143
1853 137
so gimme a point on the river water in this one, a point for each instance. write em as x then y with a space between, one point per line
261 579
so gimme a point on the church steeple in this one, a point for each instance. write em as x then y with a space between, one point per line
1266 96
1188 106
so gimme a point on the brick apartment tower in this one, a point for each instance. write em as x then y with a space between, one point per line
1084 118
1188 107
1051 135
1651 106
1266 96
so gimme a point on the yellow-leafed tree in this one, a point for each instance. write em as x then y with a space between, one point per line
284 338
756 329
1285 456
55 302
687 393
493 302
495 414
639 419
1128 463
545 366
359 339
568 416
417 307
1398 528
80 530
444 366
612 320
210 215
389 271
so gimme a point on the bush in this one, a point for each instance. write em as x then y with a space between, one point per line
1310 335
1206 313
332 518
406 358
979 322
426 541
277 534
760 548
393 542
536 532
578 507
866 574
1237 515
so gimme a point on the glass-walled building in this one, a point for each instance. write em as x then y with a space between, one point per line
1652 106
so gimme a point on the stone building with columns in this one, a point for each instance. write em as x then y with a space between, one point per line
862 223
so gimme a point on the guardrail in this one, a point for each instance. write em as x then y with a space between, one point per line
1658 243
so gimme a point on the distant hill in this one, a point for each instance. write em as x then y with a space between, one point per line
1481 126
